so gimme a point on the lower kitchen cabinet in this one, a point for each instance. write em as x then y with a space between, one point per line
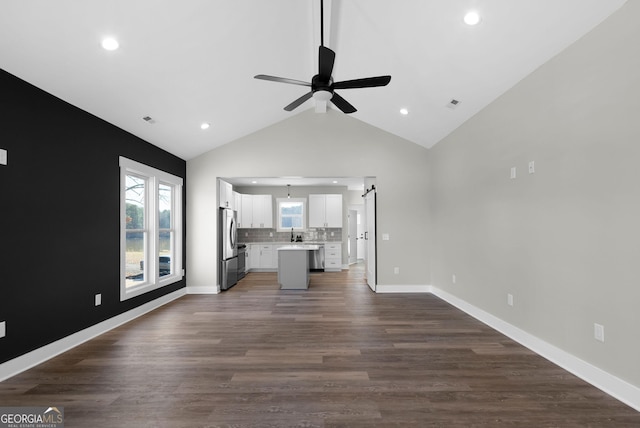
333 257
261 256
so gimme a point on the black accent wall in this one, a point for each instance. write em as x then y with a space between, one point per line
59 216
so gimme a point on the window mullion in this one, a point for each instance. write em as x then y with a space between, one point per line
153 227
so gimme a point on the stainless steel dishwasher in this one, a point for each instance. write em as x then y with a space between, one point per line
316 259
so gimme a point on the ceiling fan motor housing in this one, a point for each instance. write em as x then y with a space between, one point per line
320 84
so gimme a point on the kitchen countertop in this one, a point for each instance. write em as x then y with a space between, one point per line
299 247
292 243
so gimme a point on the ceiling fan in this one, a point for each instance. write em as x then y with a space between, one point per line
322 84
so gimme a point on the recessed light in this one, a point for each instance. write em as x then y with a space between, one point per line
110 44
205 125
404 111
472 18
254 182
335 182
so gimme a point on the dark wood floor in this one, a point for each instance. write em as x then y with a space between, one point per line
336 355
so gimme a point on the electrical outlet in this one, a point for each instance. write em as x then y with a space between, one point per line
3 157
3 329
453 278
396 270
598 332
98 299
510 299
532 167
270 234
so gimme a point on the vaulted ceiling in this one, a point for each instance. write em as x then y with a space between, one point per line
188 62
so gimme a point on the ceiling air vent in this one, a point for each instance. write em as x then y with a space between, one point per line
149 120
453 104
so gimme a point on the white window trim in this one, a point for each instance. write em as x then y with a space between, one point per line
304 214
154 177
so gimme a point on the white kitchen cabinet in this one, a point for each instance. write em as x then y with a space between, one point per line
245 215
237 204
225 194
325 210
317 210
256 212
334 210
262 211
266 257
332 256
254 256
261 256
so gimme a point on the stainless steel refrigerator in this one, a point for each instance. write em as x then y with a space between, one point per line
227 248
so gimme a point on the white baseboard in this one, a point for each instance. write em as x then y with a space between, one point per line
608 383
203 290
40 355
403 288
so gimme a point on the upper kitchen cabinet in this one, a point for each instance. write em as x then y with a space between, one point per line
237 203
225 194
245 219
325 210
262 211
256 212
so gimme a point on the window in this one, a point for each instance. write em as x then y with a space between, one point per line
291 214
151 228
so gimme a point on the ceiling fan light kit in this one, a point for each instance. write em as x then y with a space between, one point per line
322 95
322 84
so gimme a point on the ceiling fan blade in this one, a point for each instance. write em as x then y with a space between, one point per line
367 82
326 58
281 80
299 101
342 104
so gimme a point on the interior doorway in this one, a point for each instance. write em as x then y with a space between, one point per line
352 239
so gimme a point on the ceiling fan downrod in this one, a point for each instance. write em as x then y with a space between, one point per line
321 22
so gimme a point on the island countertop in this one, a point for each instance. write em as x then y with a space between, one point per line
299 247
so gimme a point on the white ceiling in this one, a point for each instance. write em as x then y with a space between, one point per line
192 61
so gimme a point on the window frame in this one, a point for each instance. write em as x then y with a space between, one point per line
154 178
279 227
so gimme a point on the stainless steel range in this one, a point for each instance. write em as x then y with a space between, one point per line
242 261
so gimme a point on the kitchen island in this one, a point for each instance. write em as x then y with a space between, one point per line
293 266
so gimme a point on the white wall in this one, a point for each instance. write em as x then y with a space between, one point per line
316 145
564 241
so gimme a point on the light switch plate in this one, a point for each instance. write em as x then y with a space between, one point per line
3 329
598 332
98 299
3 157
385 236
